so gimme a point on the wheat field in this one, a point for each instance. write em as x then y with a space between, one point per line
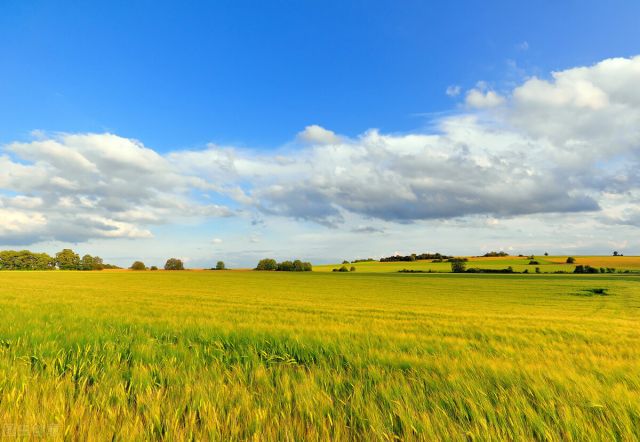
241 355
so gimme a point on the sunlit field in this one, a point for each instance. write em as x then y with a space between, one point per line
233 355
547 264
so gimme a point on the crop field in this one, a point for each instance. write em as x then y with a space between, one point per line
547 264
241 355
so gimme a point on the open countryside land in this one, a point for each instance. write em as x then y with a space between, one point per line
249 355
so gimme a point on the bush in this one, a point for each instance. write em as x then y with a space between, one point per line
458 266
138 265
537 269
153 268
352 269
174 264
585 269
534 263
220 265
571 260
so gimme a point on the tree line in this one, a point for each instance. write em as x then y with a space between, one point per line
66 259
284 266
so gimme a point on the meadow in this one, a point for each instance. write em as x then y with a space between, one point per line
242 355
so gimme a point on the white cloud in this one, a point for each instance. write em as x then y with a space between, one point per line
315 134
82 186
548 147
479 99
453 90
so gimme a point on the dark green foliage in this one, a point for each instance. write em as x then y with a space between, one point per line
174 264
537 269
571 260
25 260
495 254
153 268
352 269
267 264
534 263
138 265
89 262
458 266
477 270
585 269
220 265
67 259
284 266
413 257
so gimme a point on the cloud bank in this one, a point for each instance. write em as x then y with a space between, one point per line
565 144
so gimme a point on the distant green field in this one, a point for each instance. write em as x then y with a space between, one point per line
318 356
547 264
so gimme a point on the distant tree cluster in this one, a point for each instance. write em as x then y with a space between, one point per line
138 265
589 269
174 264
270 264
414 257
495 254
344 269
355 261
25 260
65 259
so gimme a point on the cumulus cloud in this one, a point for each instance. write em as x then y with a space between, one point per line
477 98
565 144
73 187
315 134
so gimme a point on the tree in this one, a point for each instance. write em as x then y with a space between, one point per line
89 262
267 264
615 253
138 265
67 259
352 269
220 265
458 266
571 260
546 253
174 264
153 268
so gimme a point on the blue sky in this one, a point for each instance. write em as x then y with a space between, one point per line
181 74
269 83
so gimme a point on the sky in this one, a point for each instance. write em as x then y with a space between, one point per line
234 130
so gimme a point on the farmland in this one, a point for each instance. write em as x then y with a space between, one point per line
547 264
247 355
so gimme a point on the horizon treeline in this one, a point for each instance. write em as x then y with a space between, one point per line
66 259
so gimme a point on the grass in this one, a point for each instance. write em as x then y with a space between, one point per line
280 356
547 264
